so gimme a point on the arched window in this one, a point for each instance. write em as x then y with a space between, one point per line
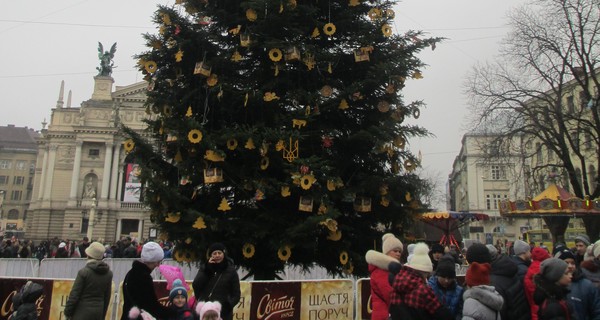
13 214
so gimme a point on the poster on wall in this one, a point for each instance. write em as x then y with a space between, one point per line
50 305
133 184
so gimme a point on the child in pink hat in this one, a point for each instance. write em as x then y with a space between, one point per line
209 310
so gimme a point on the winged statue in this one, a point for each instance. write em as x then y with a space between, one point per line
106 62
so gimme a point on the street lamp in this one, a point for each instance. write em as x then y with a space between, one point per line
91 221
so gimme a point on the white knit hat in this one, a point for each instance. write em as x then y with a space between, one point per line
152 252
420 259
390 242
205 307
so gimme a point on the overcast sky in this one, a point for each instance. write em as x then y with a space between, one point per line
44 42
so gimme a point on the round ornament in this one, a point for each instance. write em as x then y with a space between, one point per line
416 113
264 163
195 136
284 253
275 55
329 29
390 14
248 250
150 66
128 145
387 30
344 257
232 144
307 181
375 13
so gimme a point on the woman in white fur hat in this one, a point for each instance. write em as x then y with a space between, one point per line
378 268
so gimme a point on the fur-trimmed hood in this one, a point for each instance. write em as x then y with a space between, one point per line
378 259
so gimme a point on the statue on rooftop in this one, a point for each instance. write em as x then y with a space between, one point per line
106 62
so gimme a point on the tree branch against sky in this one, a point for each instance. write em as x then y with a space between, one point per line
544 86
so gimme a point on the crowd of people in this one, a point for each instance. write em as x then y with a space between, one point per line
517 282
57 248
216 283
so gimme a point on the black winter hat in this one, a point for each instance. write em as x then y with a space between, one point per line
216 246
436 247
446 267
479 253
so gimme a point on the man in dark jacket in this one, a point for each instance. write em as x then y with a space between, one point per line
84 245
138 287
504 277
522 258
217 280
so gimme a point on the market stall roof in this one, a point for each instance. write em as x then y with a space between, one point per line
554 201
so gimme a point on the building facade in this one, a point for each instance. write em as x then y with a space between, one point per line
18 153
490 168
477 184
84 182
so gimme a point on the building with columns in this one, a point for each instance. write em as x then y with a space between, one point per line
84 182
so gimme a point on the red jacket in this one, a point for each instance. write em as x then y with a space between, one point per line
537 256
380 284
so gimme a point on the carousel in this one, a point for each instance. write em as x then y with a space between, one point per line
555 205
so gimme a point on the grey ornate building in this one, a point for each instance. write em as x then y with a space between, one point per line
84 182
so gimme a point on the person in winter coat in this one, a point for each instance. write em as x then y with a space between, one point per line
138 286
92 289
410 249
412 298
504 277
538 255
591 264
217 280
582 241
24 302
522 257
481 300
435 254
178 297
378 268
62 252
443 283
551 290
209 310
583 297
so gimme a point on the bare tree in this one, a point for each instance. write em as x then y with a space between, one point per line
544 88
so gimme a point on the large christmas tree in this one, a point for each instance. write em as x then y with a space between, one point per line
278 129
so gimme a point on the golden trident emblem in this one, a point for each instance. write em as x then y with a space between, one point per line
291 153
